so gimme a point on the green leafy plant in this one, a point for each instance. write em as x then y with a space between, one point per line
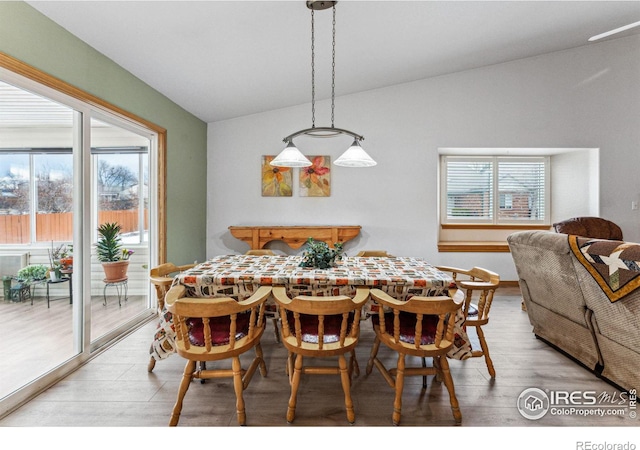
109 246
320 256
32 273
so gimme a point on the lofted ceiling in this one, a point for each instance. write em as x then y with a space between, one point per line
225 59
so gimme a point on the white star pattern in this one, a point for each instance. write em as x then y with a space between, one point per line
614 262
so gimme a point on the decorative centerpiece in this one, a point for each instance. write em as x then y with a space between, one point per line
318 254
110 252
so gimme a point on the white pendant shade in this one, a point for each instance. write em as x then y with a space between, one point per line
290 157
355 156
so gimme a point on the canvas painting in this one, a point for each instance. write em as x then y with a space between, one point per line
276 181
315 180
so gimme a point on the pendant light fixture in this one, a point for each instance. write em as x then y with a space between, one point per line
355 156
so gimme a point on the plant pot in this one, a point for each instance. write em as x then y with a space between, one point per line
6 282
115 271
67 263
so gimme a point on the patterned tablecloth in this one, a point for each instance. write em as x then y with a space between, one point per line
238 276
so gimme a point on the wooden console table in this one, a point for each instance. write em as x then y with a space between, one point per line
295 236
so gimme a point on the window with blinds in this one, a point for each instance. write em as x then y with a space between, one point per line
495 190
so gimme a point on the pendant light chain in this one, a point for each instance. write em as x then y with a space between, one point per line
333 68
313 74
354 156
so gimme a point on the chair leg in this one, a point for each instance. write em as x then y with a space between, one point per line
424 377
397 402
203 366
238 387
182 390
438 367
276 330
448 382
354 368
151 365
259 355
374 353
295 384
346 387
289 366
485 352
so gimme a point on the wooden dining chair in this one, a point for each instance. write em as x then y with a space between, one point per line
479 286
260 251
422 327
216 329
270 312
373 253
162 277
320 327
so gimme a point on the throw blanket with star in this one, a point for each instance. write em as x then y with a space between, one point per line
615 265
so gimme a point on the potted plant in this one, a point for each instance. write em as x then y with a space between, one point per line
110 252
56 257
320 256
32 273
66 259
55 273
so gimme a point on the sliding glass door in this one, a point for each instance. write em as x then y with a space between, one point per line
120 195
36 218
66 167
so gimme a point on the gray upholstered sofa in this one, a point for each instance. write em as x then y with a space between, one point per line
569 309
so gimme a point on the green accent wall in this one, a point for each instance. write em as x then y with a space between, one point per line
31 37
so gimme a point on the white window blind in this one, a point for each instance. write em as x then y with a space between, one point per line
495 190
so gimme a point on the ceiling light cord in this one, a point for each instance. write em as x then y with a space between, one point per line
333 69
313 73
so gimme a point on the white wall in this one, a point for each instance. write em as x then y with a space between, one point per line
572 175
587 97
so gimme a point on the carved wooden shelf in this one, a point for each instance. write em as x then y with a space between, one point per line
294 236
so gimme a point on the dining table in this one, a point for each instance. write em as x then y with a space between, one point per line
238 276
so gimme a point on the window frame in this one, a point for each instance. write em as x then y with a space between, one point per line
494 220
22 69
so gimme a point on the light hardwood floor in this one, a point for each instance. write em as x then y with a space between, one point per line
115 389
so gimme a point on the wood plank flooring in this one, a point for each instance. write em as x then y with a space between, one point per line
115 389
46 335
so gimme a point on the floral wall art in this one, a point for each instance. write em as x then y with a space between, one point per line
276 181
315 180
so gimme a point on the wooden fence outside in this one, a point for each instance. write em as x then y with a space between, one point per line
58 227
